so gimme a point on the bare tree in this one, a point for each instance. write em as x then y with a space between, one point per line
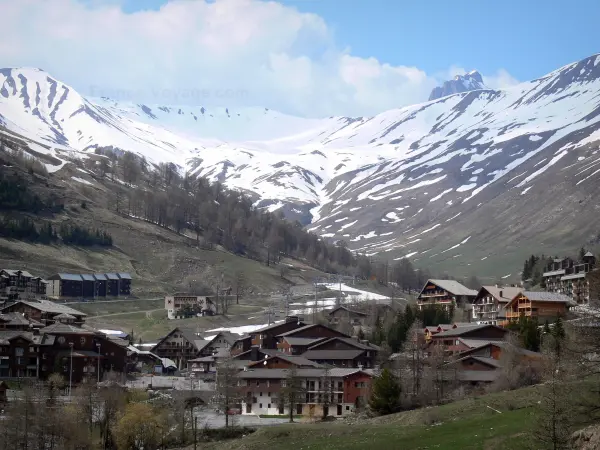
239 286
228 393
292 391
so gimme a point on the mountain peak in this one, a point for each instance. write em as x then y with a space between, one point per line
471 81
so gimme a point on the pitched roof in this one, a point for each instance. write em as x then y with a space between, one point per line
332 354
275 326
551 273
14 273
15 319
588 254
64 316
547 296
347 309
453 286
51 307
280 374
302 341
67 276
304 328
8 335
297 360
573 276
124 276
466 329
87 277
502 294
111 276
350 341
478 343
488 361
65 328
100 277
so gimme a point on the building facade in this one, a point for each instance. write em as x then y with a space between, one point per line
539 305
489 305
445 293
180 306
569 277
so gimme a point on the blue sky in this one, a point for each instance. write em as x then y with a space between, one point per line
312 58
528 38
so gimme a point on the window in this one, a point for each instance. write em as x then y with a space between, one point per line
283 383
31 349
82 341
18 351
269 406
347 408
260 405
260 394
258 382
268 383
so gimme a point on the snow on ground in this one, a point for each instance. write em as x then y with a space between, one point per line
81 180
112 332
243 329
356 294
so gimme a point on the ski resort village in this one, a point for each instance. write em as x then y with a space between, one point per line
299 225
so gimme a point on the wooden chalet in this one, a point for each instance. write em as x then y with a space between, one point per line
540 305
445 293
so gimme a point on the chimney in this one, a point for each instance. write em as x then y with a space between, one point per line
254 353
501 292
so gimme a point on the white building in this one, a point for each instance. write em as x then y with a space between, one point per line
179 305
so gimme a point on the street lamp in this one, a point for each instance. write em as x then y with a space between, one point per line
71 370
99 354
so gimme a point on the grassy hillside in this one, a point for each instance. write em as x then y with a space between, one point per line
468 424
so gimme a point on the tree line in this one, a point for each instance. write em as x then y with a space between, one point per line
25 229
213 215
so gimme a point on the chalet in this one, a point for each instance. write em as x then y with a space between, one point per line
489 305
296 345
44 311
267 337
19 355
463 338
343 315
346 388
186 305
569 277
241 345
541 305
310 331
18 321
430 331
343 352
182 345
445 293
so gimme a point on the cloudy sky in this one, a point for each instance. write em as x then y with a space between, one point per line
305 57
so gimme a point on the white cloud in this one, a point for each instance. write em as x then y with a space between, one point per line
501 80
237 52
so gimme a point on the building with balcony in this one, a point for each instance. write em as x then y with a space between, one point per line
569 277
20 284
325 392
489 305
445 293
539 305
181 306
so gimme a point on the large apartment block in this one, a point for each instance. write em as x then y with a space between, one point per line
89 286
569 277
16 284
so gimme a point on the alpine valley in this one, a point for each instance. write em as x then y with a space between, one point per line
466 183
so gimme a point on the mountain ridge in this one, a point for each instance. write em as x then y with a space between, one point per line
372 181
471 81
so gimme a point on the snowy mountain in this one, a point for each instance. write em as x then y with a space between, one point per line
469 182
471 81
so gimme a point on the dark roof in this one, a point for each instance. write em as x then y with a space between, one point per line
349 310
15 319
332 354
275 326
100 277
298 360
459 331
66 276
111 276
302 341
14 273
64 316
8 335
280 374
350 341
88 277
487 361
305 327
124 276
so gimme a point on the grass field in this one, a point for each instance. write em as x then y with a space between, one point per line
153 324
465 425
102 308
